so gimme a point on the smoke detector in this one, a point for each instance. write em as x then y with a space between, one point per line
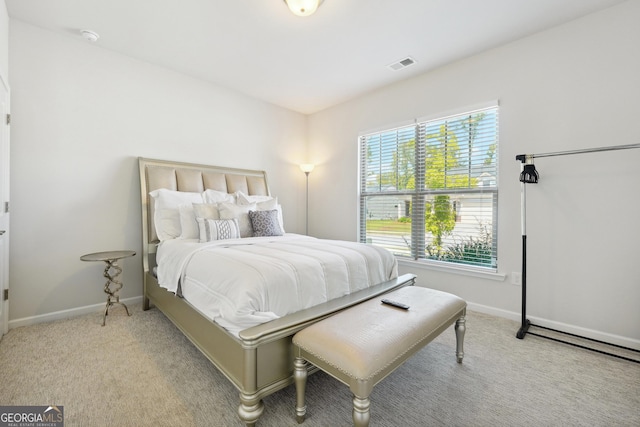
403 63
90 35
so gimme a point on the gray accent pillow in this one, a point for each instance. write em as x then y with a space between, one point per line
265 223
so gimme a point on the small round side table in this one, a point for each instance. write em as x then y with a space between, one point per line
111 259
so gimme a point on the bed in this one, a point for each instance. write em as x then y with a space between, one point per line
256 356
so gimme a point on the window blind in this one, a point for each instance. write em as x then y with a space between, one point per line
429 191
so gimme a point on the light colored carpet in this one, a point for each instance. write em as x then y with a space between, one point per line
141 371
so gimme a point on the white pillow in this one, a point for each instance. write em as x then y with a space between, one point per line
243 199
206 210
188 224
215 196
266 205
218 229
166 215
280 217
239 212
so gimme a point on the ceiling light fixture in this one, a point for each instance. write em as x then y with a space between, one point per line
303 7
89 35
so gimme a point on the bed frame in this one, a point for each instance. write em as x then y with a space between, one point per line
260 361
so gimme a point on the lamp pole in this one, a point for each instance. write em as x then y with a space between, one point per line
306 168
306 209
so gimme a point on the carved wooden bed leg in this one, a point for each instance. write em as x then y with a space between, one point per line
300 378
251 405
250 409
460 330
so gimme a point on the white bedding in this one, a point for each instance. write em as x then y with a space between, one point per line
241 283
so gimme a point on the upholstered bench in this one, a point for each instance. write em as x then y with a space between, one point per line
363 344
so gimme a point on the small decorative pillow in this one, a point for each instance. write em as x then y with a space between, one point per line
265 223
268 203
267 206
241 213
218 229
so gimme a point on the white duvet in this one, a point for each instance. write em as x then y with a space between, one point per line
241 283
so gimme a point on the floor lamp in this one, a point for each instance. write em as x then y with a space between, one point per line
306 168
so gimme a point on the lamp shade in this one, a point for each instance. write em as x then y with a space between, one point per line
303 7
306 167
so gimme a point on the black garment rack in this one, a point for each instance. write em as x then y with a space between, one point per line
529 175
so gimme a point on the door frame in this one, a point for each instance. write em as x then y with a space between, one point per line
4 205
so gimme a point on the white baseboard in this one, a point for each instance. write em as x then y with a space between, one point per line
65 314
572 329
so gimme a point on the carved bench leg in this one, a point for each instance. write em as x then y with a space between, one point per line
300 379
361 413
460 330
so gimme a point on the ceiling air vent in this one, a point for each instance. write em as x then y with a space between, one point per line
403 63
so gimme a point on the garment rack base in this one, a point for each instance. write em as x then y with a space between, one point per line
527 324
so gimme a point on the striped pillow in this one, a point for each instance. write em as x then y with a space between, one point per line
218 229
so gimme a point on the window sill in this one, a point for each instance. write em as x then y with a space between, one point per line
465 271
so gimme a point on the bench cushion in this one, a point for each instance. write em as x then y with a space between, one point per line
365 343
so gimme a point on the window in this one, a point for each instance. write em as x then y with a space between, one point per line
429 191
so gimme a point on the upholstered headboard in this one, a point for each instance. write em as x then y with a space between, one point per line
155 174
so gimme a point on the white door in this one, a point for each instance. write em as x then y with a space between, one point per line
4 206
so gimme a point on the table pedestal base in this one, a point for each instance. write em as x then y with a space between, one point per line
112 294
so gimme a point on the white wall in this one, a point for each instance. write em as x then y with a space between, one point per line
572 87
4 41
81 117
